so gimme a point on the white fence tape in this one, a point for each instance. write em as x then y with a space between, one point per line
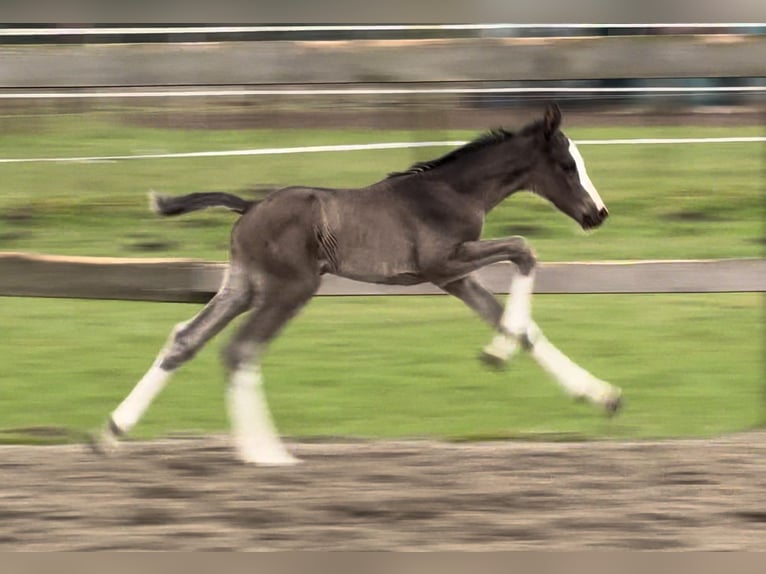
233 92
361 147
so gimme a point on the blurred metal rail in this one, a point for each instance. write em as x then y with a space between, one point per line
687 28
193 281
198 34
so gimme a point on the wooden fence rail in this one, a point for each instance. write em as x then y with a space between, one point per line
379 61
193 281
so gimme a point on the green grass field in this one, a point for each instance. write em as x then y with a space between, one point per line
401 366
690 365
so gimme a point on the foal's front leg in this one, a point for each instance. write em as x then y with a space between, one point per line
471 292
576 381
514 323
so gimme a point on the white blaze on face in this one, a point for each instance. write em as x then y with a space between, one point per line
584 179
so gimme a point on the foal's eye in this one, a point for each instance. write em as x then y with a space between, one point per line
570 167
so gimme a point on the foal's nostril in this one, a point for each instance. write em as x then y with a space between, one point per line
603 213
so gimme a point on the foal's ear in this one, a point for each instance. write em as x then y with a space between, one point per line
551 120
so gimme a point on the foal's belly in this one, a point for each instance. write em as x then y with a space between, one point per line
396 279
391 263
374 238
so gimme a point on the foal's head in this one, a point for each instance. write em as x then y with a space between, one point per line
559 173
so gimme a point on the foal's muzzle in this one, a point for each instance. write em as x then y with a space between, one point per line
593 220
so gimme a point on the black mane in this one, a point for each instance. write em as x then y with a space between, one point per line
487 139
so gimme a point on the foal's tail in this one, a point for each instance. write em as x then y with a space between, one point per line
167 206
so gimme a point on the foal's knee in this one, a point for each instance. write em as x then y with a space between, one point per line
525 259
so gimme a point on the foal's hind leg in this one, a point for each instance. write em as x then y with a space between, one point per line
253 430
234 297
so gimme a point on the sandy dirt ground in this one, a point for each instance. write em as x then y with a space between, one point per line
191 494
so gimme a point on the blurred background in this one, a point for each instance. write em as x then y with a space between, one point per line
671 120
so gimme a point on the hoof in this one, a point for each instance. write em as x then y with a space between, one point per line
492 361
105 441
287 460
613 405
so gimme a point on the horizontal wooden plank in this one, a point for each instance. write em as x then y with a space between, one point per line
380 61
106 278
191 281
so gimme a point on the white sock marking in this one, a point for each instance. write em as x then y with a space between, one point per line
519 308
516 318
154 202
128 413
502 347
576 381
254 433
584 178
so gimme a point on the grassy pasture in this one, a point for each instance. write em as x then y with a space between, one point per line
690 365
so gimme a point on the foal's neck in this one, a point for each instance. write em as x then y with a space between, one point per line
493 174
